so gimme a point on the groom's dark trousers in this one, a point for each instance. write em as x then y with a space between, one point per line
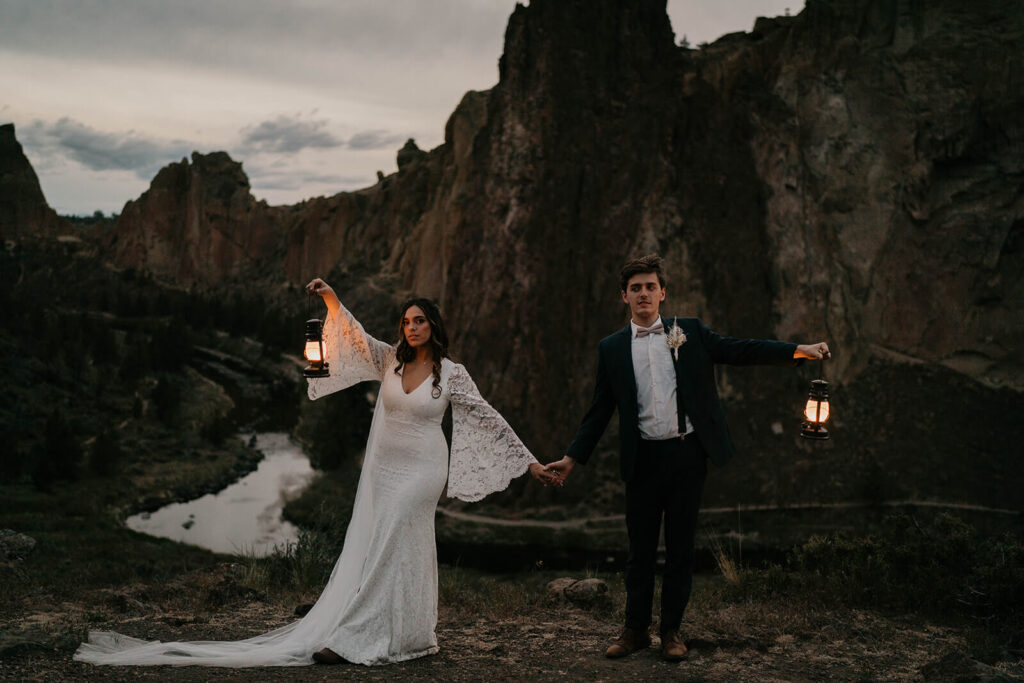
667 482
664 479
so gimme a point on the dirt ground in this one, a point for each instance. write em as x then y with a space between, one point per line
745 642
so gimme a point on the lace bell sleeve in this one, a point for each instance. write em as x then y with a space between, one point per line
486 453
353 355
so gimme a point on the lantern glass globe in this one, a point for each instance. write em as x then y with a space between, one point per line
312 352
816 411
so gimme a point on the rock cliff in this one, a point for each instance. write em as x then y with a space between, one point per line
197 223
854 173
23 208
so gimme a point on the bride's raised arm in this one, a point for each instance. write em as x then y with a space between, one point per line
353 355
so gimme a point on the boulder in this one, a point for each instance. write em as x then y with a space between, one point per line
224 585
15 547
588 592
956 667
126 604
556 588
579 592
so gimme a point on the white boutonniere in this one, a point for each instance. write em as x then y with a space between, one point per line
675 338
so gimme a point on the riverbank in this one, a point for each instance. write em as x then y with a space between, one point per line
78 527
245 516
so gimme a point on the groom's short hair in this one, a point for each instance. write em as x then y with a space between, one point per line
645 264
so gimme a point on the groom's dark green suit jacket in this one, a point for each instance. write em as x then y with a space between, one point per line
696 390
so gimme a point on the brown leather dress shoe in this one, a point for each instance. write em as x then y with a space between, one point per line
672 647
328 656
628 642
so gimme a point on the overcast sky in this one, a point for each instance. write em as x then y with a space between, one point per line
312 96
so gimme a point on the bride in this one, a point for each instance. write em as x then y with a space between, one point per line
380 603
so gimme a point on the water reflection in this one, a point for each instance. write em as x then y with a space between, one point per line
245 516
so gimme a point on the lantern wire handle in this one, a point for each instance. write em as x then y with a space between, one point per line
311 306
821 364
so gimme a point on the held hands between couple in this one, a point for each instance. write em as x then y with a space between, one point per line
554 473
559 470
544 475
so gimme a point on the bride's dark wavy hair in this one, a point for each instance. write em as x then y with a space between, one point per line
438 341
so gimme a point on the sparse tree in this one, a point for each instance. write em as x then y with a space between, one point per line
106 454
217 429
166 398
61 455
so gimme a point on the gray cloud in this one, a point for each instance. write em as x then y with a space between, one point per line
277 140
266 180
375 139
287 135
299 39
314 41
103 151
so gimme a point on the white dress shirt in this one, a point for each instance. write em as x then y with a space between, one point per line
656 387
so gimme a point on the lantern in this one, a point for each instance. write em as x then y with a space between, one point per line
816 411
314 352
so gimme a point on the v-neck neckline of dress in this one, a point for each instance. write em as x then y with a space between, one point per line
401 381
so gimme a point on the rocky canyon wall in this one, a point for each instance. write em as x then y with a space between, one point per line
853 173
24 211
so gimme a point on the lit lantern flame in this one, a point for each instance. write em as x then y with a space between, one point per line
816 411
312 351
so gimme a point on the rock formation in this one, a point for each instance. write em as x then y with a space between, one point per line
23 208
854 173
409 153
197 223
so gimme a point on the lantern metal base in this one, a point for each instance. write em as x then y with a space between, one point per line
814 432
317 372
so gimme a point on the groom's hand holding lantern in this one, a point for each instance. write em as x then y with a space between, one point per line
817 351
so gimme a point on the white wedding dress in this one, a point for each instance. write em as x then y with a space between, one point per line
380 603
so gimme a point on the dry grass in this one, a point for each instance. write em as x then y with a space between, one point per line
726 565
489 596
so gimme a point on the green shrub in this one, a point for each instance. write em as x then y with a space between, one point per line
61 455
106 455
299 567
217 429
941 566
166 398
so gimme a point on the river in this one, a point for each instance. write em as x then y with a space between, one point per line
245 517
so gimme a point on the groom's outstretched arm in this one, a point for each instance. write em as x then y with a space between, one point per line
758 351
593 425
734 351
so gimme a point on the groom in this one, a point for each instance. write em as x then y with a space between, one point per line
670 422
